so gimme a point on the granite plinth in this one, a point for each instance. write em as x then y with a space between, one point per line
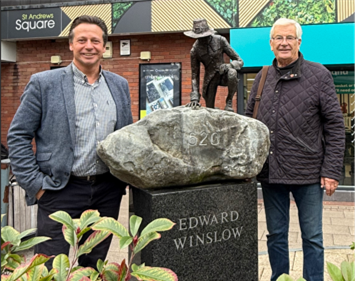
215 236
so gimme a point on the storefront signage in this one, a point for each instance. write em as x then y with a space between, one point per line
160 86
34 23
160 16
344 82
40 21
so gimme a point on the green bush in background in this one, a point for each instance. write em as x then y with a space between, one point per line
118 9
227 9
303 11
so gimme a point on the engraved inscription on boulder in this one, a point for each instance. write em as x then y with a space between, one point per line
182 146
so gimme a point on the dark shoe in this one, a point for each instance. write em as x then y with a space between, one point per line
229 106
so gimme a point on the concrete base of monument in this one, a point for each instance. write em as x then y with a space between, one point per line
215 236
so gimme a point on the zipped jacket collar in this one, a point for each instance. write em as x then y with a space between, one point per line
295 71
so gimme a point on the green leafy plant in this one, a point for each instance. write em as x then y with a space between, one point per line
136 243
11 244
345 273
357 246
14 266
73 231
34 270
305 12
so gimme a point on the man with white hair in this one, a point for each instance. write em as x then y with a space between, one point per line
300 107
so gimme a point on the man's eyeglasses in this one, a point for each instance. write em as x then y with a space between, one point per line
280 39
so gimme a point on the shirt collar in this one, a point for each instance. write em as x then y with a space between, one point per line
83 77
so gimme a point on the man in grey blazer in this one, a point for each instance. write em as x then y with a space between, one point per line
69 111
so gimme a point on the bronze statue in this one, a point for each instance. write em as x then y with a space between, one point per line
209 49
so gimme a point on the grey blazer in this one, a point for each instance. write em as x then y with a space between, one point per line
47 113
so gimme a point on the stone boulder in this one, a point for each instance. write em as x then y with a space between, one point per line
183 146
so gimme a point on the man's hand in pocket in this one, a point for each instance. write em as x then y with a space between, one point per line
39 194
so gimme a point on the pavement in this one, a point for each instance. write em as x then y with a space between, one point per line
338 235
338 229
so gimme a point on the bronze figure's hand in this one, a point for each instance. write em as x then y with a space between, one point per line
223 68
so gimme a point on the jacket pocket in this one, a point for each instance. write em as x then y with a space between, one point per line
43 162
303 144
43 196
44 156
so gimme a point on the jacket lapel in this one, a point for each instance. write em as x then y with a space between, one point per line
68 94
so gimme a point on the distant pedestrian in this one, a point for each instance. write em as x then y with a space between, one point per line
300 107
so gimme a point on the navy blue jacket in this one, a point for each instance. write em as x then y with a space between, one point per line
307 133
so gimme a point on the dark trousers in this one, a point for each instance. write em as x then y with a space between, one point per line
76 197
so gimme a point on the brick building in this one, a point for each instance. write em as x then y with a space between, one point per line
34 56
34 31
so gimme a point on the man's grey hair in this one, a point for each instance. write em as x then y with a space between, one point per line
284 21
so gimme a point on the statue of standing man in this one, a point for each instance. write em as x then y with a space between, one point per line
209 50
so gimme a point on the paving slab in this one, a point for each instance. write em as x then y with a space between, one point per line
337 256
262 247
265 274
333 214
293 237
261 216
343 240
264 266
336 229
343 221
115 254
339 233
328 239
262 231
294 226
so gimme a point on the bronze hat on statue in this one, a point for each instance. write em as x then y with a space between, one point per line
200 29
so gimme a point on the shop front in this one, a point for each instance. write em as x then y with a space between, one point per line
147 46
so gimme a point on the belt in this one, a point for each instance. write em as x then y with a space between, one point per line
94 178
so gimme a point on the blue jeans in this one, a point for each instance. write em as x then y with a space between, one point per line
309 201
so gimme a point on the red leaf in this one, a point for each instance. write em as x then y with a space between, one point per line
4 245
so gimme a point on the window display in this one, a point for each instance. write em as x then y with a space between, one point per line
159 87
